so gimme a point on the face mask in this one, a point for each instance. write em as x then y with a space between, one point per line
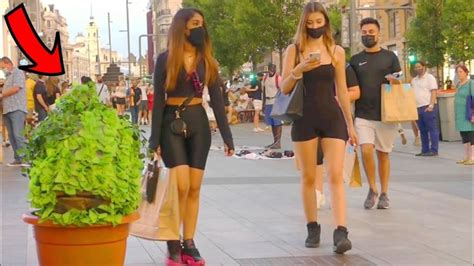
316 33
419 72
197 37
369 41
271 73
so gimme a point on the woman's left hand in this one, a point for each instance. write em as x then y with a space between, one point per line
227 151
354 141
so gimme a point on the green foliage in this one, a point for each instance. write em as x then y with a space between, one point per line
424 37
458 29
84 147
442 27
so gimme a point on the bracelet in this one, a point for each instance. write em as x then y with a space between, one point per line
295 77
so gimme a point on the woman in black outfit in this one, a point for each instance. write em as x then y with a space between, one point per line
180 72
321 64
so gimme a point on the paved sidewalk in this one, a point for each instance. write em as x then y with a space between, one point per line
251 214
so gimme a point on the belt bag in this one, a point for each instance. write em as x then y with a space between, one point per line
178 126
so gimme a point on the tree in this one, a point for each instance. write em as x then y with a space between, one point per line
458 21
425 35
222 29
268 25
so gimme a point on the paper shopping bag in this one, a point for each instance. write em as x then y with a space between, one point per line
398 103
158 220
356 179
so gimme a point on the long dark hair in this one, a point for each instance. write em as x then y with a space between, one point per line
176 41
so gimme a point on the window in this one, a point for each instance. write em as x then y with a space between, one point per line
393 21
393 48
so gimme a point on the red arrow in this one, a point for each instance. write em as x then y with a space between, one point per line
45 62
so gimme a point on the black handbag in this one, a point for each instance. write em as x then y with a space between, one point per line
150 180
289 108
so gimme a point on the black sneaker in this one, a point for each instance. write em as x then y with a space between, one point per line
174 252
191 255
341 242
314 235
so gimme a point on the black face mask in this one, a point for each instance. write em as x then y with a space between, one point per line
369 41
197 36
316 33
271 73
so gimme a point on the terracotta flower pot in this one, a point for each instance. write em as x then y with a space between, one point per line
70 245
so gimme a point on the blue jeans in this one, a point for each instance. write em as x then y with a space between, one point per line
427 123
134 114
42 114
15 123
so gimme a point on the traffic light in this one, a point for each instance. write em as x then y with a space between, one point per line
412 58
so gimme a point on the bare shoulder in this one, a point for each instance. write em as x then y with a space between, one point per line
339 54
291 47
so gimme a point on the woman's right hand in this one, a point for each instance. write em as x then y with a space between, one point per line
307 65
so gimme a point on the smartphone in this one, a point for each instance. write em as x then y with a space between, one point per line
315 56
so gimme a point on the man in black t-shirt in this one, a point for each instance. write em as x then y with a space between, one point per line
255 94
40 95
374 66
135 100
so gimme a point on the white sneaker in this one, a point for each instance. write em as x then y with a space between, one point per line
257 130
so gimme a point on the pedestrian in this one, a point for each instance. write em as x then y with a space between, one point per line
14 107
102 90
135 100
465 126
425 86
143 108
65 87
325 94
120 95
271 86
53 92
181 74
5 140
374 66
30 86
40 95
255 93
354 94
150 97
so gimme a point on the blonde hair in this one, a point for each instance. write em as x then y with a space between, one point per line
301 36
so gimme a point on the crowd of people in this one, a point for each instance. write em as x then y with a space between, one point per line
341 106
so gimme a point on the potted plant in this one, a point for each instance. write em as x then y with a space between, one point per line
84 181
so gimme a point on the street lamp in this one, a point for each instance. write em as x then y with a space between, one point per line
140 48
128 39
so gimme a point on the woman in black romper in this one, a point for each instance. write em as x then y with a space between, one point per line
324 117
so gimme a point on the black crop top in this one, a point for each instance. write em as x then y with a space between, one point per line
184 88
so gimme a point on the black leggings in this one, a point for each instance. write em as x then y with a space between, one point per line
467 136
192 150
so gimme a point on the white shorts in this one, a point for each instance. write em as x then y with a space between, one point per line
257 104
382 135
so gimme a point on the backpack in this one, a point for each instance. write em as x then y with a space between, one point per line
277 78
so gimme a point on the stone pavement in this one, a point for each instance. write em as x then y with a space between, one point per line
251 214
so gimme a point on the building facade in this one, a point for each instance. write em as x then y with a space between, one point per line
52 22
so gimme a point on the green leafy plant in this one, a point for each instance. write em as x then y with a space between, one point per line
83 147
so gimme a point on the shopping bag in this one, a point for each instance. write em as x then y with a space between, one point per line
356 179
159 219
398 103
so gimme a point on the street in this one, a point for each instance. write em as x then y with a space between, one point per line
251 213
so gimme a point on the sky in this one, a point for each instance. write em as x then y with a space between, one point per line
77 14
